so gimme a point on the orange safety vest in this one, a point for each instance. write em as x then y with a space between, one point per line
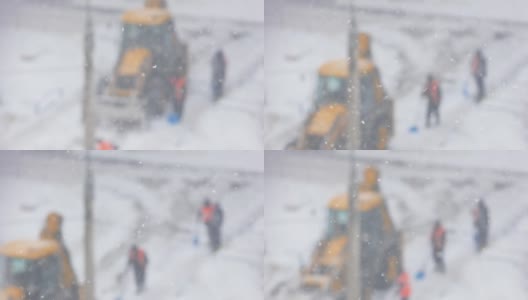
179 85
405 285
435 91
438 237
139 257
104 145
475 64
207 213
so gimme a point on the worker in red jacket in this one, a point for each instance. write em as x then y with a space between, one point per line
433 93
138 260
211 214
438 239
404 283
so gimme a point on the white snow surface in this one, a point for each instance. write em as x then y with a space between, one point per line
301 35
157 210
507 11
48 115
296 212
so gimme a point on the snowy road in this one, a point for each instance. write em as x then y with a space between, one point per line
48 117
155 208
416 196
405 49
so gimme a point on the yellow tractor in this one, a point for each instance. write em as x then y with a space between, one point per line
38 269
380 246
150 77
326 127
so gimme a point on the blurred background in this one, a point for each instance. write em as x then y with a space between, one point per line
155 74
431 74
60 211
237 225
432 225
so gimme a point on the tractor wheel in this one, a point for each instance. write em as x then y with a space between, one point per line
389 270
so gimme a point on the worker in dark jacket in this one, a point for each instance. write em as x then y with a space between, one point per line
481 223
217 222
479 72
433 94
219 65
138 260
211 216
438 239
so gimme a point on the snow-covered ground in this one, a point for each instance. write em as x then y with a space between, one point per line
273 217
296 211
485 10
301 35
42 77
157 210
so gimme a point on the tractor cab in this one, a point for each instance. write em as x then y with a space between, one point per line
30 270
326 126
147 37
149 28
333 76
337 220
147 34
370 204
150 75
332 83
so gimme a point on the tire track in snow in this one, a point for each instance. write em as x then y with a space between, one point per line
146 228
456 120
287 288
440 285
199 261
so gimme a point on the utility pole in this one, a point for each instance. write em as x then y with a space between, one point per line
89 274
354 99
354 287
88 78
353 271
